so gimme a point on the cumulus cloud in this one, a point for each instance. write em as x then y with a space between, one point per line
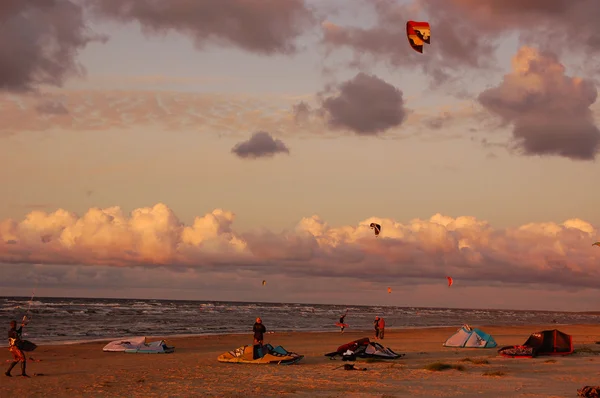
550 111
468 249
365 105
264 27
150 235
39 42
260 145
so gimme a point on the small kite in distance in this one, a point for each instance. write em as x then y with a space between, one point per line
389 289
376 228
450 281
596 244
418 33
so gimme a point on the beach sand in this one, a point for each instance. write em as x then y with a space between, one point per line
193 371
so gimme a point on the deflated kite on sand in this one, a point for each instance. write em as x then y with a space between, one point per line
467 337
268 355
138 345
547 342
363 348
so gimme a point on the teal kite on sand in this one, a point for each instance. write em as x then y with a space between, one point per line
467 337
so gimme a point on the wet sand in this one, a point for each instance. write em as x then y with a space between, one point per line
193 371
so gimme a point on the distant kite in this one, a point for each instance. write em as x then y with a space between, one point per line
596 244
389 289
376 228
418 33
450 281
264 283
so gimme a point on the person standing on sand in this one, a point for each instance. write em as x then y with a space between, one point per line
381 327
376 325
14 346
342 321
259 331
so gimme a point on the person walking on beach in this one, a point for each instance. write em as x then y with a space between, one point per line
381 327
376 326
259 331
14 346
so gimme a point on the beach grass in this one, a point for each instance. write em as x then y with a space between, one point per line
441 366
476 361
586 350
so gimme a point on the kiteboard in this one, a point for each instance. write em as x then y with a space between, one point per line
28 346
339 325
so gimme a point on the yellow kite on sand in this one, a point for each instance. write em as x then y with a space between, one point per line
269 355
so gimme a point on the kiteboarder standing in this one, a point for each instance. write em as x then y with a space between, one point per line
376 326
14 346
259 331
342 327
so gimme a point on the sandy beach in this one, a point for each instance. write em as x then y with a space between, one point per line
85 370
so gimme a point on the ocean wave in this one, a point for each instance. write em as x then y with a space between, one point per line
71 319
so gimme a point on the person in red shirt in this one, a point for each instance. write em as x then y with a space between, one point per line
381 327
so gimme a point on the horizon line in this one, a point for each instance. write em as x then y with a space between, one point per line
307 304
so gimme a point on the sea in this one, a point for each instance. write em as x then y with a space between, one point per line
71 320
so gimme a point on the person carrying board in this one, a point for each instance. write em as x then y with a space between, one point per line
15 345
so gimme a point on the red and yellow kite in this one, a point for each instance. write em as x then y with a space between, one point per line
418 33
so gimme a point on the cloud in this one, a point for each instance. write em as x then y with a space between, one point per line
466 33
93 110
365 105
550 111
556 24
51 108
260 145
263 27
451 51
217 114
301 112
420 251
39 42
452 120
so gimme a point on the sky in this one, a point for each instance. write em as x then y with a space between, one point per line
190 150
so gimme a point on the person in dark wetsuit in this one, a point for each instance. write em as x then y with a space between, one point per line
259 331
14 346
376 325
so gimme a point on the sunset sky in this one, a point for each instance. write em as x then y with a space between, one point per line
190 149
